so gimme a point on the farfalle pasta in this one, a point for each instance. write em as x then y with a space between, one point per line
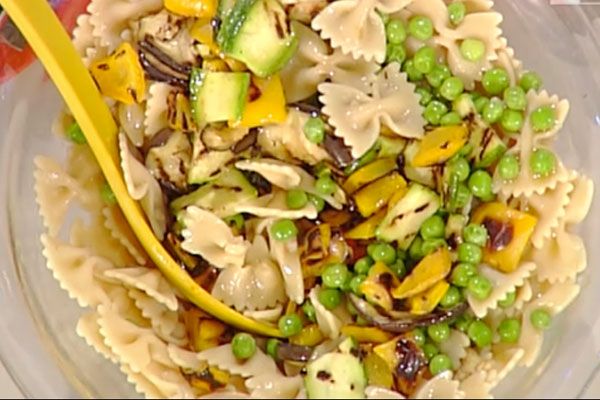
377 179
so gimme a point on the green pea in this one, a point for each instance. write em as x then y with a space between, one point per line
272 347
439 332
463 322
317 201
480 333
399 268
419 337
440 363
469 253
452 297
493 110
472 49
431 245
243 346
508 167
355 284
425 59
309 311
509 300
290 325
383 252
451 88
540 319
438 75
512 121
363 265
476 234
395 53
495 80
236 221
325 185
346 284
430 350
335 275
462 274
395 31
425 95
480 104
480 287
314 130
415 251
543 118
413 73
451 119
433 227
515 98
456 12
530 81
75 134
509 330
434 112
330 298
296 199
420 27
401 254
542 162
284 229
480 184
461 196
460 169
108 196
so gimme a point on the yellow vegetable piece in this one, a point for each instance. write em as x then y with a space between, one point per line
120 75
220 376
387 352
215 65
202 32
369 173
179 113
269 107
366 334
373 197
429 271
426 302
518 227
440 144
192 8
396 197
310 336
378 284
202 386
211 329
367 228
378 372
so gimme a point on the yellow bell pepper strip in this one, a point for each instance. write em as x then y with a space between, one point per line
376 195
426 302
120 75
378 284
214 65
367 228
378 372
269 107
366 334
440 144
179 112
396 197
509 231
202 32
429 271
209 334
310 336
369 173
192 8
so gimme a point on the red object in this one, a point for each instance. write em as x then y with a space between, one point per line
13 61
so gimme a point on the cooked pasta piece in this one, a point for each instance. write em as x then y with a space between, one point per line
119 229
156 108
222 357
441 386
274 386
89 330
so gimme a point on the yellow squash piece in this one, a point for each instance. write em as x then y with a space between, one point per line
367 228
376 195
310 336
396 197
209 334
520 227
269 107
426 302
378 372
214 65
192 8
429 271
378 284
120 75
366 334
387 352
202 32
179 113
440 144
369 173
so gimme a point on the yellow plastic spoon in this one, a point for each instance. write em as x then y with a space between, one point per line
47 37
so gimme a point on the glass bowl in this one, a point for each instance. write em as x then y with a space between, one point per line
46 358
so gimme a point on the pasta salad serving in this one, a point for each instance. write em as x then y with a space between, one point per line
376 178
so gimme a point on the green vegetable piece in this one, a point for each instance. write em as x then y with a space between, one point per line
314 130
476 234
512 121
272 347
425 94
543 118
440 363
415 250
480 103
434 112
395 31
395 53
420 27
431 245
540 319
296 199
424 59
480 184
430 350
469 253
363 265
284 229
463 322
290 325
383 252
460 169
317 201
456 12
452 297
330 298
335 376
452 118
472 49
515 98
413 73
493 110
439 332
243 346
75 134
355 283
108 196
309 311
530 81
335 275
542 162
433 227
495 81
509 330
325 185
236 221
509 300
438 75
480 333
419 337
480 287
462 274
509 167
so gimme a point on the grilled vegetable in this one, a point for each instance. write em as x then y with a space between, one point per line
430 270
376 195
376 288
440 144
369 173
269 107
192 8
426 302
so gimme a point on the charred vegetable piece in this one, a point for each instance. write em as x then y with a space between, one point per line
487 146
440 144
426 302
390 146
376 288
120 75
203 32
257 32
269 107
179 113
404 358
192 8
508 230
369 173
366 334
367 228
310 336
335 376
376 195
403 221
429 271
378 372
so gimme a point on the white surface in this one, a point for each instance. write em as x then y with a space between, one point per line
8 390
